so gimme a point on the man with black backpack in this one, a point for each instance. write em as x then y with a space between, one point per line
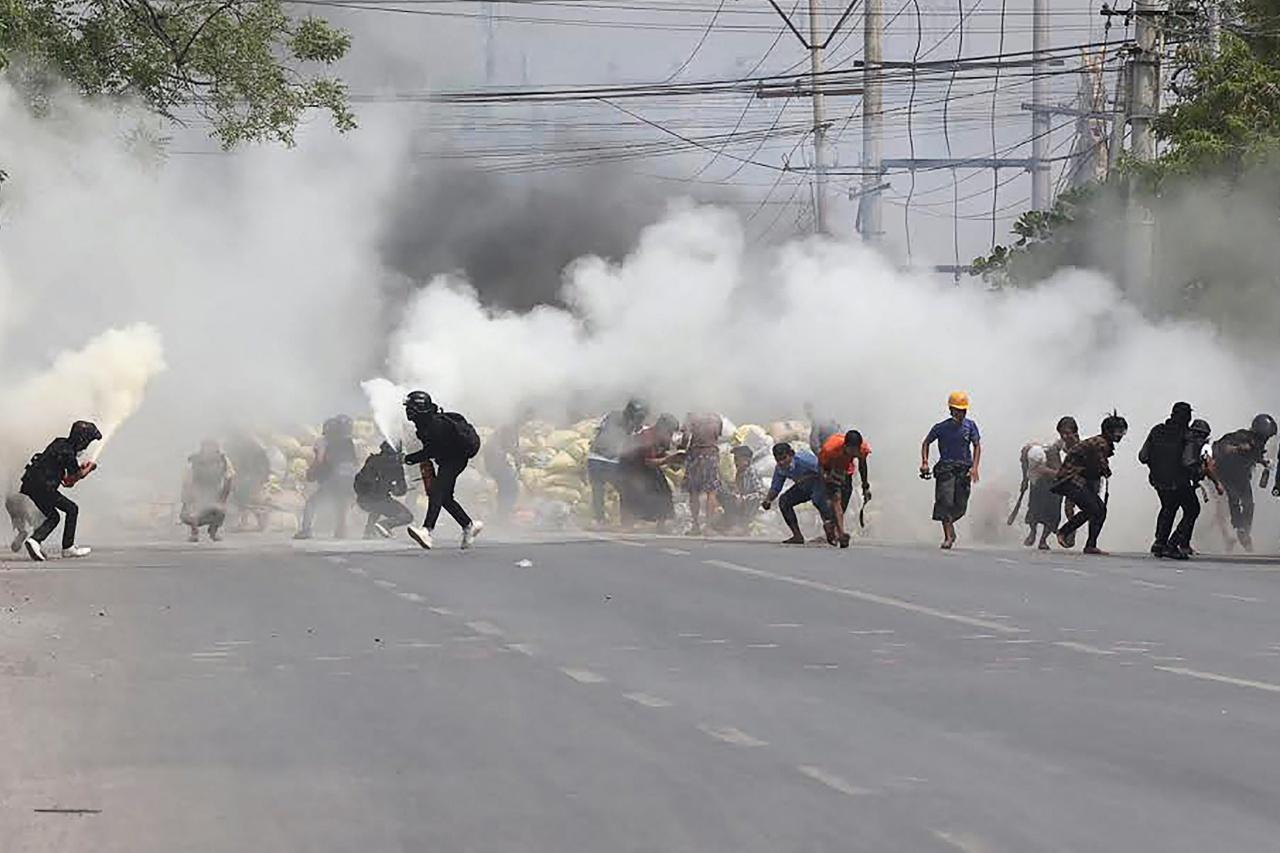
58 466
1163 453
449 441
1236 454
377 485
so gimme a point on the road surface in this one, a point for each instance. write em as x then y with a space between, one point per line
638 695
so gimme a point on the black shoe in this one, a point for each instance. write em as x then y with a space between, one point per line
1158 550
797 539
1030 540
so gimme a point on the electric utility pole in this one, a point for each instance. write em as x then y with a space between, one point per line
872 114
1144 105
821 217
1040 119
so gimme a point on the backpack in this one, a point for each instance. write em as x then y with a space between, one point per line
468 438
1165 461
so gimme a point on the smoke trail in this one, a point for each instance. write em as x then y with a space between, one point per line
104 381
696 319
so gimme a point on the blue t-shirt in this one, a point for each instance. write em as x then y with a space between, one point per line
804 466
955 440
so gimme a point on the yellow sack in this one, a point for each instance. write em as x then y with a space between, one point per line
562 438
565 479
562 462
560 493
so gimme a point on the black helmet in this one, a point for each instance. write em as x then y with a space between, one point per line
417 404
636 410
338 426
1264 425
83 433
1181 412
1199 427
1114 427
1066 422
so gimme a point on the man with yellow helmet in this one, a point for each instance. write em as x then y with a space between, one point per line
959 454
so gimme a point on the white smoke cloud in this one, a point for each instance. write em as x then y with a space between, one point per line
698 320
104 381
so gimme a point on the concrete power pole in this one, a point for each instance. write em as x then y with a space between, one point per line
1144 105
1213 13
1040 118
872 114
821 217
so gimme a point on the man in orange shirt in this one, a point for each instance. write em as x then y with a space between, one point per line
841 455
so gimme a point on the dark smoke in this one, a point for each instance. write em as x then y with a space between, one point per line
514 234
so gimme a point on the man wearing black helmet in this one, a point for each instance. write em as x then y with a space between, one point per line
1163 453
1235 455
1080 479
58 466
612 437
449 441
332 472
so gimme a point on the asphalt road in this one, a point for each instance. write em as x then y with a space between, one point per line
648 695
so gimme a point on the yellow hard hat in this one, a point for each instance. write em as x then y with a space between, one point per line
958 400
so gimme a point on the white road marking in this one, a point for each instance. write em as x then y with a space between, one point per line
674 552
712 642
978 637
728 734
208 655
419 644
628 543
1064 570
235 643
784 625
1247 598
384 584
688 636
1082 647
762 645
1168 658
646 700
872 632
1016 642
870 597
441 611
523 648
487 628
822 666
964 843
1221 679
833 781
411 596
1007 561
1150 584
332 657
583 676
336 559
356 570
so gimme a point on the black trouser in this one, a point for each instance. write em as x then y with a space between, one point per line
386 509
1181 497
1237 480
441 494
49 502
812 489
601 472
1090 509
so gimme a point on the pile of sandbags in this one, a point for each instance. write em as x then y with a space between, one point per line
553 462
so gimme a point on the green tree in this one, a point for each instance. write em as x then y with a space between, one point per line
246 66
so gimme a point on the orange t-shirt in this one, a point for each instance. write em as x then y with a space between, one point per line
833 447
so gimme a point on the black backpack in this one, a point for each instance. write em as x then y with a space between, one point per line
468 438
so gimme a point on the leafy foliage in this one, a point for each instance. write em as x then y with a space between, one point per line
237 63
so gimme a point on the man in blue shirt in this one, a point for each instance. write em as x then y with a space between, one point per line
959 454
801 467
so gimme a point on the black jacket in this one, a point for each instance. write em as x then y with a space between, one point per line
1162 453
381 476
49 466
440 439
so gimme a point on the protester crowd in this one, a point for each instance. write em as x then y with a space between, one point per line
635 459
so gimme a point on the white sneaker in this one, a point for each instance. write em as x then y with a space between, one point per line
470 532
76 551
420 535
34 550
382 530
